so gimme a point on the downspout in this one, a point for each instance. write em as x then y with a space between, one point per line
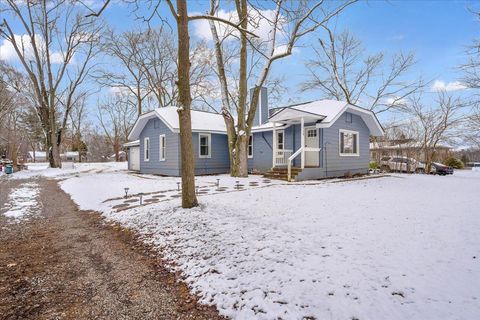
326 161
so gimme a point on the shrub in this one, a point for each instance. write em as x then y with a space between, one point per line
373 165
454 163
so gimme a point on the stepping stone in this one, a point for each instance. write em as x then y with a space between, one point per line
266 181
202 192
131 201
176 195
159 196
151 200
221 189
253 184
122 205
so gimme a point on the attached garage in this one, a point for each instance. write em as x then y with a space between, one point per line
133 155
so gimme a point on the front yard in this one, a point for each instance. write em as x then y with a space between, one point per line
399 247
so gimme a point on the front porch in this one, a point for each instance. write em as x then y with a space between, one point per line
297 147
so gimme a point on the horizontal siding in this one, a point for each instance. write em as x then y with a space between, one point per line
262 152
337 163
170 167
219 162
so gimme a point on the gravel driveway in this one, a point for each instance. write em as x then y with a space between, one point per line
62 263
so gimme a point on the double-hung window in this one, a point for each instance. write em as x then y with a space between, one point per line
163 147
204 144
146 149
250 146
348 143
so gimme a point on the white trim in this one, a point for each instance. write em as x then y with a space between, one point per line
357 154
359 112
162 147
209 139
145 149
248 147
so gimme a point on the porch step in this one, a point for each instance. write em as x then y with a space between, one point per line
281 173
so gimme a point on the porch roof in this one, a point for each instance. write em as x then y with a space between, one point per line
291 115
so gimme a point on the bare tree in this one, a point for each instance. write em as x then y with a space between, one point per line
128 49
342 70
436 123
56 33
116 118
290 22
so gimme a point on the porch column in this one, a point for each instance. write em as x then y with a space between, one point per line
274 144
302 135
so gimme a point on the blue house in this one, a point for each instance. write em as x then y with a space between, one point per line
312 140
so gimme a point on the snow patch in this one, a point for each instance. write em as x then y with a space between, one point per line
22 202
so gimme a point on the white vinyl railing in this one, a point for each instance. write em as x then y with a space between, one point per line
302 151
282 156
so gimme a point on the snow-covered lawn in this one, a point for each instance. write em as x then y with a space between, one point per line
42 169
401 247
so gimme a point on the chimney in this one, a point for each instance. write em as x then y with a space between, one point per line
261 114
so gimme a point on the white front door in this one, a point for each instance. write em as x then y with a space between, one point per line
311 141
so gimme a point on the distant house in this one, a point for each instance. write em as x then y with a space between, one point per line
405 148
36 156
70 156
317 139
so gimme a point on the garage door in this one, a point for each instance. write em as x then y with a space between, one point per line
134 160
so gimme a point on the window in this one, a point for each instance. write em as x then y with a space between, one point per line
146 149
311 133
163 148
204 145
250 146
348 117
280 140
348 143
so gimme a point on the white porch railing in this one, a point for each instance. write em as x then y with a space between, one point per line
301 151
281 157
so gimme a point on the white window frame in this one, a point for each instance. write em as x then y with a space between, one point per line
162 144
250 147
146 149
209 139
340 131
283 139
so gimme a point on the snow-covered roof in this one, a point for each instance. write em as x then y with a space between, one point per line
134 143
38 154
326 112
202 121
71 154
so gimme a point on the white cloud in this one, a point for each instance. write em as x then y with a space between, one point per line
8 53
439 85
395 101
259 24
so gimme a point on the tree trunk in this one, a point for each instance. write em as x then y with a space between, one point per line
189 198
239 166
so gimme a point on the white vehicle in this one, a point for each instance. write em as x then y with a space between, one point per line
401 164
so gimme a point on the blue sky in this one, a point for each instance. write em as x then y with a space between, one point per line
436 31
